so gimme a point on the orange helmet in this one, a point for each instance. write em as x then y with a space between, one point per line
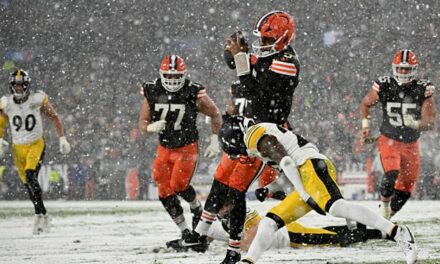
172 73
404 59
277 25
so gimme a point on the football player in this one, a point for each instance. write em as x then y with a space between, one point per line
408 108
314 178
293 235
170 109
23 109
267 80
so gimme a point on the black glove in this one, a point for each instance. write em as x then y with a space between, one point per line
261 194
279 195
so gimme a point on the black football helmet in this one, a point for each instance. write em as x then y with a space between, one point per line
231 136
20 77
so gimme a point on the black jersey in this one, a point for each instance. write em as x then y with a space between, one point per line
270 86
398 100
178 109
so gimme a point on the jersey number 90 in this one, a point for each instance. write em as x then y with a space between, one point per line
29 122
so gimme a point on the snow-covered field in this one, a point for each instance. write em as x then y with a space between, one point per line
130 232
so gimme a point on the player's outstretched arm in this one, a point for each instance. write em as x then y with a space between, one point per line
269 147
429 115
48 110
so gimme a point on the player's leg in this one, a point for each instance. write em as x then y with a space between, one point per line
363 215
390 157
217 197
409 176
34 158
183 170
162 168
243 175
286 212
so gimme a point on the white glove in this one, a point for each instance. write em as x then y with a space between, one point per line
410 121
64 145
213 149
156 127
3 144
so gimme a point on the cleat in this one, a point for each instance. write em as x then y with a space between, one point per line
197 213
196 242
177 245
386 210
45 223
186 234
247 261
405 239
232 257
36 227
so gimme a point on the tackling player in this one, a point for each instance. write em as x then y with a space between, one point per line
170 109
23 109
408 108
314 177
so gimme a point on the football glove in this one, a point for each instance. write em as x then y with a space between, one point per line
64 145
261 194
3 145
156 127
410 121
213 149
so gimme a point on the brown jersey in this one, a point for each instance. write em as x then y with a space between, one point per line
398 100
177 108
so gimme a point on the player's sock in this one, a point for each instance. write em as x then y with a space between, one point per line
360 214
206 221
263 239
175 210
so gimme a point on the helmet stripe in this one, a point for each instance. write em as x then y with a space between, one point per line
173 62
405 56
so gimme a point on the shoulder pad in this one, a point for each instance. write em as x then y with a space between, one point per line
149 83
424 82
3 102
383 79
195 84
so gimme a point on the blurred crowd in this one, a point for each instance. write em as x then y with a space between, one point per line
91 57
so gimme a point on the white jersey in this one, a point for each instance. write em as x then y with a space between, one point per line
25 118
299 149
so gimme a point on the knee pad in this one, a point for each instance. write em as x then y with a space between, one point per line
172 206
188 195
388 181
399 199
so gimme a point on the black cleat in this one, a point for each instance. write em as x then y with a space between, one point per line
197 213
232 257
176 244
196 242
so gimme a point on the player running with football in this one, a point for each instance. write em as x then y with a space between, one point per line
170 109
23 109
408 108
267 81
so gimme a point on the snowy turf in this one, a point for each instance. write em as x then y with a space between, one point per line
130 232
